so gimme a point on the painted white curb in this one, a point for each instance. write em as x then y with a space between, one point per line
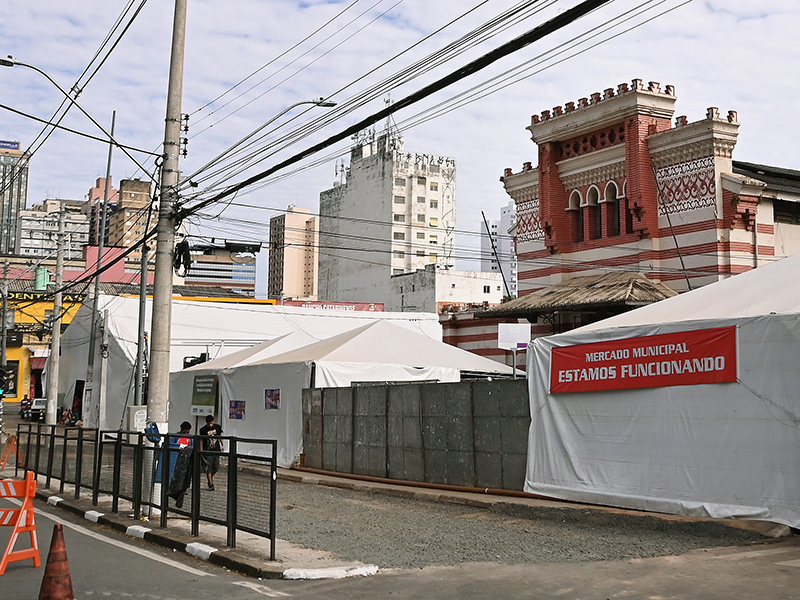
54 500
92 515
331 573
137 531
201 551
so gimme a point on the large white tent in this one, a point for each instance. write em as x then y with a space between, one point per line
218 328
686 406
377 352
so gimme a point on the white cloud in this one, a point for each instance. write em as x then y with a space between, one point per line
734 55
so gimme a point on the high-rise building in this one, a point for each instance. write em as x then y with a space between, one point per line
395 213
38 229
497 248
13 193
127 224
231 267
94 209
293 241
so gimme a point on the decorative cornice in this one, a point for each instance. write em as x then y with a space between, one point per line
595 167
710 137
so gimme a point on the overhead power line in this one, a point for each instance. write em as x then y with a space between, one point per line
471 68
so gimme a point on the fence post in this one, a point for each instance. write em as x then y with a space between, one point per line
50 452
196 457
79 464
38 448
63 461
115 475
163 469
138 469
273 498
98 458
233 490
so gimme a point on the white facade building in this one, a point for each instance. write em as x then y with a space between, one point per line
501 257
394 214
37 234
444 290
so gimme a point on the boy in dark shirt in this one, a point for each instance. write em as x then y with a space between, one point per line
212 443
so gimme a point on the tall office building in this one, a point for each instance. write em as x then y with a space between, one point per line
13 193
127 224
38 229
394 213
497 248
94 209
293 255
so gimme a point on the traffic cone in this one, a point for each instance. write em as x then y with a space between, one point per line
57 583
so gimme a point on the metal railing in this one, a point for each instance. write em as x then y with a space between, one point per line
126 465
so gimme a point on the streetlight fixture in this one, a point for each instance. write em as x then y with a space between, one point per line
322 102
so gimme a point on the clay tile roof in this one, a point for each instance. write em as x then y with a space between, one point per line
606 290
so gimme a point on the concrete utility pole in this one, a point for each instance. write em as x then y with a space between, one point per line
161 328
55 336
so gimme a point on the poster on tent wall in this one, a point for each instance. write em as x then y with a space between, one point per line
204 395
272 399
683 358
236 410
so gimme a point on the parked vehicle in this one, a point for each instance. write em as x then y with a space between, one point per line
38 409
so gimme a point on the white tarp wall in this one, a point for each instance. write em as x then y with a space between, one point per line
218 328
719 450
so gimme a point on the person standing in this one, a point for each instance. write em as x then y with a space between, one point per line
211 438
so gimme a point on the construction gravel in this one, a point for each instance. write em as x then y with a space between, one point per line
397 532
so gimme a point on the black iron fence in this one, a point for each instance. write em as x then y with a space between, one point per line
128 466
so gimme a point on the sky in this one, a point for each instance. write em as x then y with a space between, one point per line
731 54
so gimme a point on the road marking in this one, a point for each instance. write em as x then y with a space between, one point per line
756 553
261 589
789 563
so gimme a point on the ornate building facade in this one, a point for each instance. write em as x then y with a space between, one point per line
619 187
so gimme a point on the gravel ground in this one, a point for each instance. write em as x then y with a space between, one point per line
394 532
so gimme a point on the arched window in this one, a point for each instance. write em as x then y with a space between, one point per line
575 202
594 213
612 209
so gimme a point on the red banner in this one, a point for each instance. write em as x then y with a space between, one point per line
685 358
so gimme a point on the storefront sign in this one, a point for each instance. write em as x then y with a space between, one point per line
684 358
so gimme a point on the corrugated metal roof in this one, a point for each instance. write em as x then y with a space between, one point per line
621 289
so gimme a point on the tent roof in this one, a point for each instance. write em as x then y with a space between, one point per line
283 343
388 343
771 289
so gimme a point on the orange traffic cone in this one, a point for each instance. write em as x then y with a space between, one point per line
57 583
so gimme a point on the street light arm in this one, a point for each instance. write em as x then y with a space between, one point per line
319 102
12 62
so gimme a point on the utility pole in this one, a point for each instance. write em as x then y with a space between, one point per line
3 340
100 249
55 336
161 328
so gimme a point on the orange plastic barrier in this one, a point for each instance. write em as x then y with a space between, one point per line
11 446
22 519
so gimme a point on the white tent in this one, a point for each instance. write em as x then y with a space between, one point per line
686 406
218 328
268 393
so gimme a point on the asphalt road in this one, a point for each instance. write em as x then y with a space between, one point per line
104 564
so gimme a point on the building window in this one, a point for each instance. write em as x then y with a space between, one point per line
420 252
487 289
399 235
434 204
399 254
434 222
400 218
786 212
420 235
434 239
434 186
421 219
421 199
400 181
399 199
434 168
433 257
421 180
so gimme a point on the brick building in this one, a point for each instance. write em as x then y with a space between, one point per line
620 194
